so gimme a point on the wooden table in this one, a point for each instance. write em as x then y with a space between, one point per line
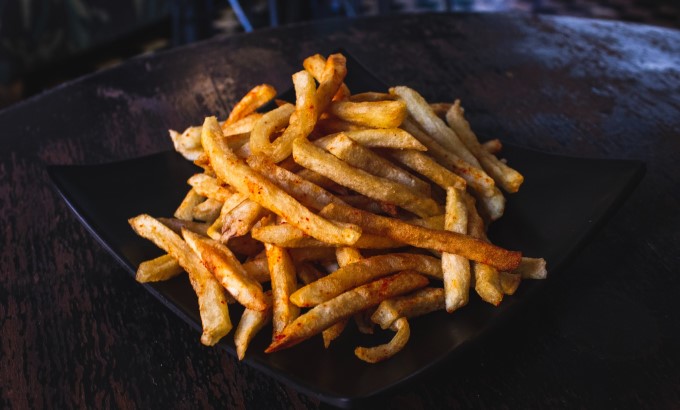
77 331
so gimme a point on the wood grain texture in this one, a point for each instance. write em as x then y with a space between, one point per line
78 332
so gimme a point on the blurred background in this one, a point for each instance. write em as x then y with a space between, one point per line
46 42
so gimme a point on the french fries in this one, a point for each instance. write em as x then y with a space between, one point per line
235 172
228 270
455 268
421 237
383 352
345 305
331 207
316 159
361 272
212 300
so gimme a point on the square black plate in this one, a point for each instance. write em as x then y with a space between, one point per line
562 202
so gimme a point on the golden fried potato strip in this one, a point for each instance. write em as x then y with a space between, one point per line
284 283
382 352
185 210
414 304
532 268
428 167
209 187
252 321
456 268
158 269
376 114
393 138
345 305
271 122
443 241
254 99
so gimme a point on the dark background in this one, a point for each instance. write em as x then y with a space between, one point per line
46 42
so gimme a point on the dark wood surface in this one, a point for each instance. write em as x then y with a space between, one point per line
77 331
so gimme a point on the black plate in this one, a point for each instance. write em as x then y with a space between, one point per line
561 203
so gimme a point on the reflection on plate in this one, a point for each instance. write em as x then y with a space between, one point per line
561 203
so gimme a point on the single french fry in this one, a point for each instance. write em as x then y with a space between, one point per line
302 121
494 146
239 175
347 255
284 283
252 321
532 268
238 132
185 210
371 96
443 241
288 236
393 138
433 222
209 187
188 143
509 282
428 167
254 99
345 305
414 304
377 114
382 352
456 268
212 300
476 227
488 283
318 160
158 269
508 178
361 272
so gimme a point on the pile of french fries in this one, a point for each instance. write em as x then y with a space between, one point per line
369 207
